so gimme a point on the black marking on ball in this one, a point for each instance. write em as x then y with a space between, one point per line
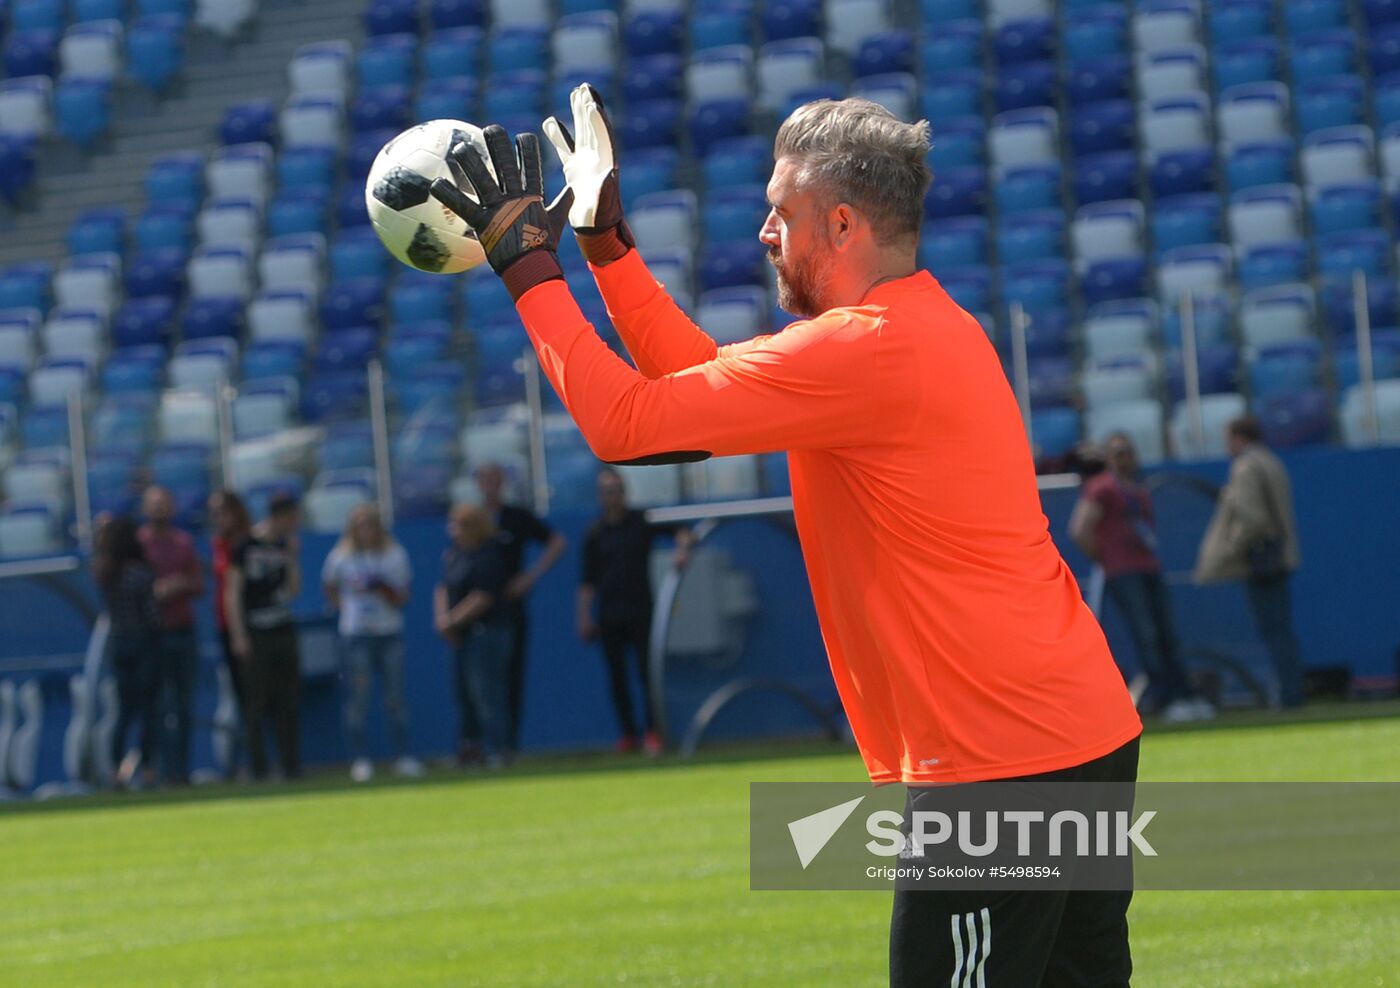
402 189
426 251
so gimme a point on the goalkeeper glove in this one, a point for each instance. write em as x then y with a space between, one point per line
590 166
519 235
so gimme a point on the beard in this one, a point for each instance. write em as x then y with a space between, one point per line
801 283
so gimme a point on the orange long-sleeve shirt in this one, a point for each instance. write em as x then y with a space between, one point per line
957 636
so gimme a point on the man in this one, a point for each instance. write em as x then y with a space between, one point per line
1253 537
179 583
1112 523
263 578
516 527
956 635
614 601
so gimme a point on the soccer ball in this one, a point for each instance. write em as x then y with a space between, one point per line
415 227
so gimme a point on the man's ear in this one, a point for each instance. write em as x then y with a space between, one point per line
844 222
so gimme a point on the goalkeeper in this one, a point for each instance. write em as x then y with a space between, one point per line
956 634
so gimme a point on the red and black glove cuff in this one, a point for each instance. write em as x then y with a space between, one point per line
601 247
532 268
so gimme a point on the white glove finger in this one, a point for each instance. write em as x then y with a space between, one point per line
579 102
598 128
556 137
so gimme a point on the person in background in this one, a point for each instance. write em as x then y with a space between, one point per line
263 578
1113 524
1253 537
469 615
614 601
517 527
128 594
366 578
179 582
231 525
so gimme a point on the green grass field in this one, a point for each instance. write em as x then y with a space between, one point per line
586 872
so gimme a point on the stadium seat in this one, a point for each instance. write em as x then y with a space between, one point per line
134 371
1172 73
1337 101
734 265
1254 164
1347 207
955 46
89 281
229 223
895 91
1106 177
1113 278
1280 368
1342 254
1265 215
1025 84
28 530
960 143
26 107
1141 420
526 13
447 14
1160 24
251 122
205 366
955 93
219 272
720 24
1216 412
585 41
1101 32
1199 270
1322 55
77 333
98 231
297 214
1024 40
243 171
783 19
53 379
955 243
1383 52
1354 417
1186 220
82 110
1339 304
1119 328
332 396
1273 264
352 303
650 124
1240 20
1385 359
1129 378
1024 137
884 52
321 69
1182 172
787 67
1294 419
1056 431
1278 314
155 51
735 213
1027 189
1107 230
454 53
92 50
1106 78
272 358
1381 12
391 17
387 60
850 22
523 47
293 263
1338 155
1096 128
156 272
311 121
1178 124
215 317
717 120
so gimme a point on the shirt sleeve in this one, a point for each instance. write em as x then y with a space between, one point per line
589 574
534 528
813 386
660 337
330 569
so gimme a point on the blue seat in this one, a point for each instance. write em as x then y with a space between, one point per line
433 388
26 286
1265 163
348 445
1339 304
1051 382
1273 264
1025 84
944 12
300 211
1106 78
652 170
82 110
36 15
1029 188
142 321
485 301
957 192
335 396
650 77
357 253
1334 102
1285 367
180 464
29 53
414 300
1031 236
1385 359
98 231
735 213
1323 55
423 493
354 302
350 208
735 161
1182 172
961 143
970 287
1048 335
391 17
733 265
1217 366
514 48
1103 31
654 123
1030 40
1341 253
346 349
1056 430
954 47
272 358
782 19
1114 278
310 169
176 179
1247 61
387 60
514 93
1104 177
44 428
952 244
382 108
654 32
447 99
1353 206
156 272
17 162
1302 418
211 317
887 51
1238 20
1186 220
428 443
155 51
1381 12
446 14
716 120
453 53
718 25
180 10
250 122
953 94
410 350
1097 128
1306 18
1038 285
134 371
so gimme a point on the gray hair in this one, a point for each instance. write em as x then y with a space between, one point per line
857 151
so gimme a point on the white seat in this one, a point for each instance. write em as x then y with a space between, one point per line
333 496
787 67
311 122
1201 270
261 413
895 91
36 482
1256 111
724 478
1278 314
293 263
230 223
732 315
92 50
188 416
1390 158
639 6
1268 214
1165 25
1116 329
1000 12
205 372
220 272
1337 155
653 486
662 220
54 380
1113 384
1106 230
1217 412
1171 72
522 13
496 439
75 333
585 41
17 347
1141 420
243 171
321 69
225 18
281 315
672 269
1024 137
725 72
27 531
849 22
89 281
1181 123
26 106
1355 428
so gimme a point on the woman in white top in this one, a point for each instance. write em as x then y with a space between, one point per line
366 578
